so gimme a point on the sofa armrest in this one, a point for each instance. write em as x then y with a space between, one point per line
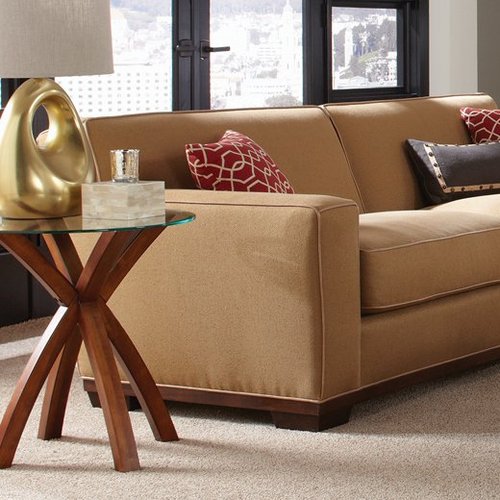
260 295
242 198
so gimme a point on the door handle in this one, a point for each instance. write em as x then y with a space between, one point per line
206 50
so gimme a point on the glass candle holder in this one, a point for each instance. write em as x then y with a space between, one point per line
125 165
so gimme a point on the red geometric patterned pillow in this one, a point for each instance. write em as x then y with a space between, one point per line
235 163
483 124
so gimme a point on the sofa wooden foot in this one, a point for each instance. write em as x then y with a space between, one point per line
94 399
131 402
313 423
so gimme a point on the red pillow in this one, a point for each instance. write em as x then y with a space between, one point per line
483 124
235 163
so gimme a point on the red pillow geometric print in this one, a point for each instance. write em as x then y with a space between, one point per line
483 124
235 163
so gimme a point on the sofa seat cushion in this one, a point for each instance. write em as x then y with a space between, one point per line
486 205
415 256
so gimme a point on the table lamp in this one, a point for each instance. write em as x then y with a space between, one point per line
40 39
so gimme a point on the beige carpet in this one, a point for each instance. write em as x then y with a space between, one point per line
439 440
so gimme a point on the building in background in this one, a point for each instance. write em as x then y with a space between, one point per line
263 68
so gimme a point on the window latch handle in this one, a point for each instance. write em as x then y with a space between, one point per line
206 49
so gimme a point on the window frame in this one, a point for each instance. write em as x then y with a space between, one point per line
8 87
413 44
190 72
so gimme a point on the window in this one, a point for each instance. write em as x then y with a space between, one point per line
264 65
366 48
377 48
196 54
142 53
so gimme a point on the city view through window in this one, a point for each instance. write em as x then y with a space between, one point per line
265 64
364 43
263 68
142 52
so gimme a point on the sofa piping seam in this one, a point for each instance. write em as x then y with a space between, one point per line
192 112
416 243
428 298
261 205
322 305
222 391
344 151
417 370
308 400
418 98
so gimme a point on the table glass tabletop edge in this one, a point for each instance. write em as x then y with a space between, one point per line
79 224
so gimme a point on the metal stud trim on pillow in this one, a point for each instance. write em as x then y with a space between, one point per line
235 163
451 171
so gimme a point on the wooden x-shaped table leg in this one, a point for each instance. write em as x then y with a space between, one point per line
82 293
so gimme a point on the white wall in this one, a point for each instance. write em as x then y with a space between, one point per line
453 46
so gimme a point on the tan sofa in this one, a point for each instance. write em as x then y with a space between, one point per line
305 304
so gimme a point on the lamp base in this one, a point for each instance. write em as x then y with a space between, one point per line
42 180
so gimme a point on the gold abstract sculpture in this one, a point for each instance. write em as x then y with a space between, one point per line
42 179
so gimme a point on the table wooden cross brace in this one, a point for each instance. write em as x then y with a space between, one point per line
82 292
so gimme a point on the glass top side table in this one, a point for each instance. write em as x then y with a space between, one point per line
82 292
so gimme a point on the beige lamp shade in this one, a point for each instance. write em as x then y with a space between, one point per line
44 38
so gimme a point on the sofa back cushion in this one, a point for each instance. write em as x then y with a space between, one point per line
374 136
302 141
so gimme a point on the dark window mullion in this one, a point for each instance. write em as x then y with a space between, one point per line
316 50
181 35
419 37
403 48
9 86
190 74
203 65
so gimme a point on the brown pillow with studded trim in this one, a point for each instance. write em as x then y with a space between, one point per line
451 171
